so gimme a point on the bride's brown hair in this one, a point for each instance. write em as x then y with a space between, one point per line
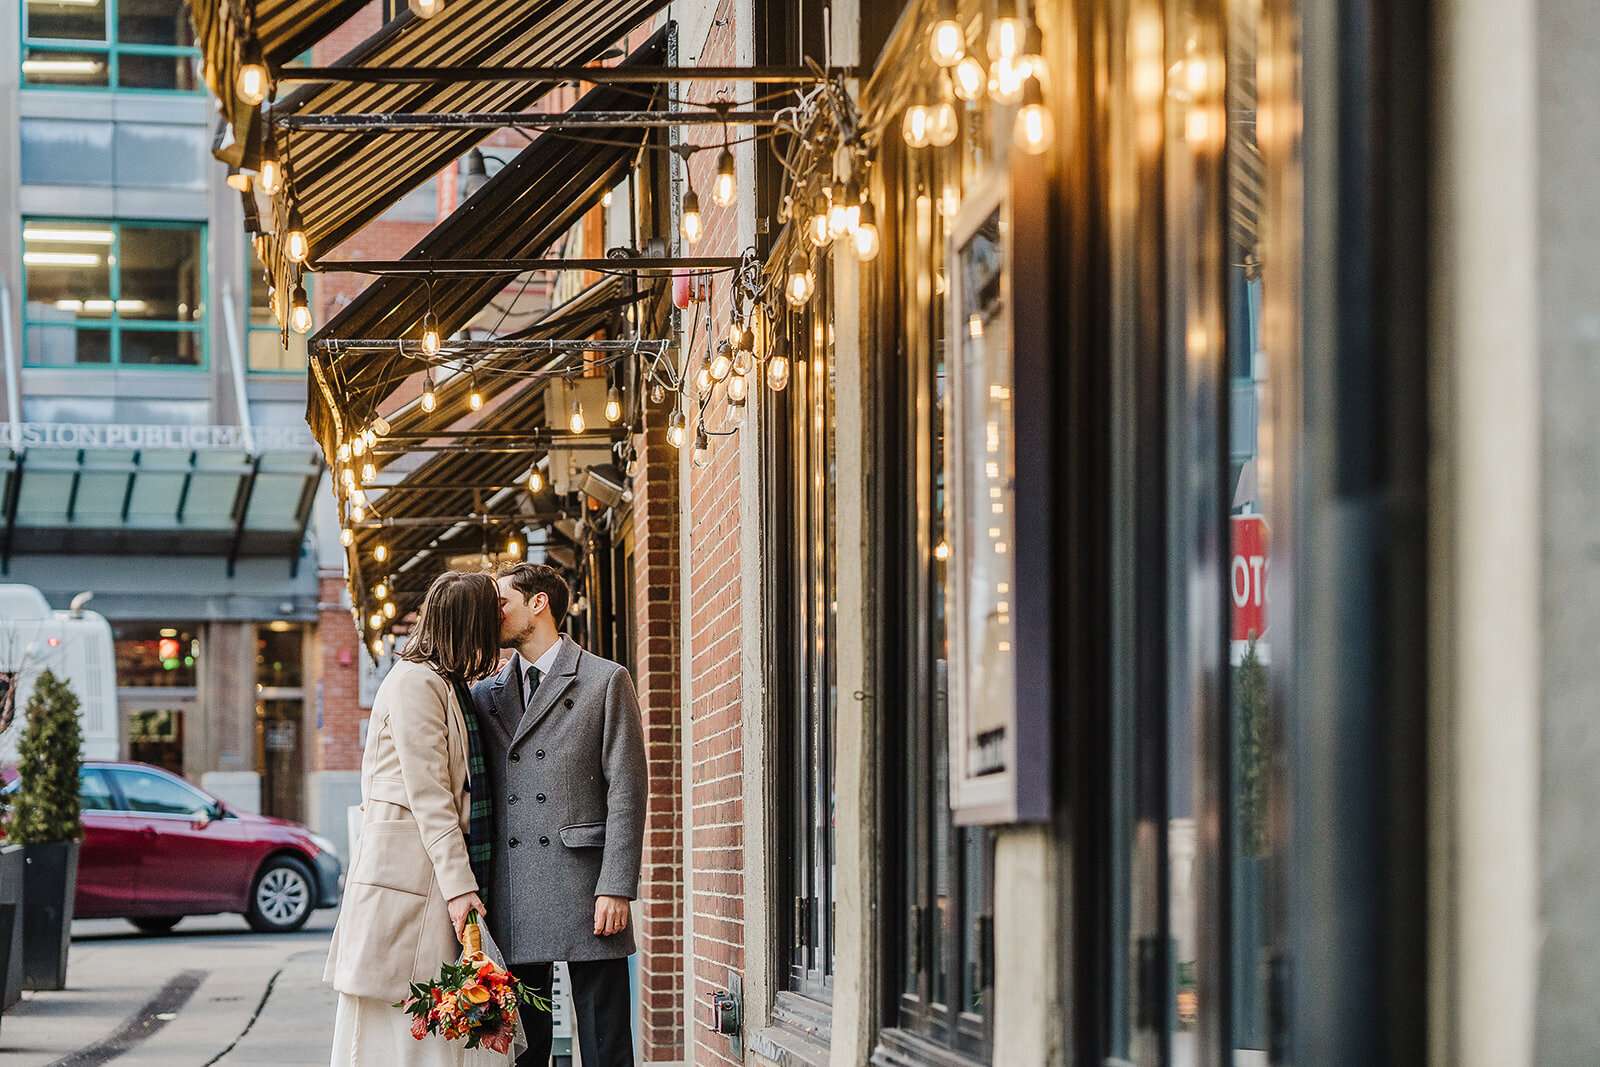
458 626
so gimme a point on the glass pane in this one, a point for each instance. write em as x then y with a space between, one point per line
135 71
158 794
94 792
58 152
162 274
50 67
58 346
68 270
160 155
163 22
70 21
278 655
175 348
153 655
267 353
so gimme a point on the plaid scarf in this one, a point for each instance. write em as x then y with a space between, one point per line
480 819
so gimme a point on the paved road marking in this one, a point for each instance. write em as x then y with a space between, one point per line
156 1013
253 1017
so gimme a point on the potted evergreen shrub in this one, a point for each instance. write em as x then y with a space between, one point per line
44 821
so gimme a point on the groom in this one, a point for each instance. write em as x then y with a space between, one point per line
565 751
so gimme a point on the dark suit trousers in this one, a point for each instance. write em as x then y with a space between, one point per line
600 1007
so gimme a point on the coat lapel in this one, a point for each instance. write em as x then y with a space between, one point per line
550 690
505 700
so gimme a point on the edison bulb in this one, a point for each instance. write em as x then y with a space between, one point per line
535 481
514 548
381 591
1006 37
946 42
726 188
970 78
723 363
738 388
866 236
251 84
613 404
691 226
575 421
943 125
380 552
429 401
388 609
1034 129
430 334
300 310
917 126
347 537
296 246
675 430
270 176
817 222
778 373
702 450
801 282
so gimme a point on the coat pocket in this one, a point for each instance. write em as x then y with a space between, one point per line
584 835
391 855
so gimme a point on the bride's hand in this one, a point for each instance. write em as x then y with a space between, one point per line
460 908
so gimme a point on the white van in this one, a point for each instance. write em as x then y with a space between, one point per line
76 645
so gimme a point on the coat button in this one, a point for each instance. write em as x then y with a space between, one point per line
569 703
516 757
540 754
512 799
540 798
544 841
513 842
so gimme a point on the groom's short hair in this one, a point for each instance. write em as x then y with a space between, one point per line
531 578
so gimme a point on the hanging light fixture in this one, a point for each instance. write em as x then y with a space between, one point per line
735 330
377 646
916 127
691 226
299 309
369 472
388 609
426 9
535 480
344 451
429 401
725 190
702 449
295 245
575 423
1006 32
703 382
430 334
867 239
801 282
658 393
778 371
817 222
946 41
251 83
380 551
1032 59
358 446
722 363
347 536
1034 130
380 427
605 198
838 211
475 400
369 436
381 591
358 511
943 125
738 387
613 404
376 620
852 207
970 77
675 429
347 476
269 176
513 548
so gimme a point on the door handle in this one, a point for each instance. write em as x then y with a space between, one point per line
148 834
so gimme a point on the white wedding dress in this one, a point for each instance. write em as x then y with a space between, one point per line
370 1033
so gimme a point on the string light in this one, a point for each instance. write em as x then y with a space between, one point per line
1006 33
691 225
348 476
723 363
426 9
658 393
1033 54
838 212
347 536
614 404
357 446
295 244
605 199
475 401
867 239
801 282
817 222
389 608
946 41
369 472
250 85
514 548
703 382
380 427
344 451
702 449
943 124
370 437
735 331
1034 129
917 127
381 591
430 334
377 646
535 480
269 175
300 309
852 207
675 430
738 387
429 401
358 512
575 422
380 552
726 188
970 78
376 619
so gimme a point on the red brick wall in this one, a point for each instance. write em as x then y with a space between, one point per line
717 836
338 669
655 548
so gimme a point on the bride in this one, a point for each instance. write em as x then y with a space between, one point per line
411 884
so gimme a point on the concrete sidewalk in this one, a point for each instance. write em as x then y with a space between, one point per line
211 992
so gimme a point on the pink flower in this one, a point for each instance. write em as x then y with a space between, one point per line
419 1026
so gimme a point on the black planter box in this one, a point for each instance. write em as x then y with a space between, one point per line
47 889
12 868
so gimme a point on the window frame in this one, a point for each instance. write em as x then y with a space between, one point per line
110 47
115 324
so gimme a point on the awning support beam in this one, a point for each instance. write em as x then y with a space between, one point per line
407 122
624 75
470 519
390 344
492 267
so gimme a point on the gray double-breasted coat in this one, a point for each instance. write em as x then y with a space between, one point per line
569 783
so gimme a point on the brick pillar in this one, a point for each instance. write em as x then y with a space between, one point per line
660 933
338 671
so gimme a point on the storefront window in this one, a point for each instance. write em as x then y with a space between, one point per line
156 655
125 44
279 655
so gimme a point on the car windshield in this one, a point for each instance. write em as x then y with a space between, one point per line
157 794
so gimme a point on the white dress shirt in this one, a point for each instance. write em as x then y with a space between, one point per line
544 664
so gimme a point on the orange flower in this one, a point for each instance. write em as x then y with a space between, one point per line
473 993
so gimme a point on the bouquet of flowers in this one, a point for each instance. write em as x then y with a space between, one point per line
474 999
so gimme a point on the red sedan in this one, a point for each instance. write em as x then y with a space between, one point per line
156 848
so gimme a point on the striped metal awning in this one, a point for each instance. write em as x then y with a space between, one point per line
340 181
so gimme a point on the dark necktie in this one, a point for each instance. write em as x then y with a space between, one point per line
532 687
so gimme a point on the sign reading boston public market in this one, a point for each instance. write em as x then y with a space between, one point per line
19 435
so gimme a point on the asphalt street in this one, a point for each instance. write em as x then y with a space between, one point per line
209 992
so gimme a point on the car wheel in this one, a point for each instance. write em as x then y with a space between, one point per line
158 924
282 897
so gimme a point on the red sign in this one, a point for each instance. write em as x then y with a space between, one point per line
1247 577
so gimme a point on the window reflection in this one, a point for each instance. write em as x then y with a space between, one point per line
156 654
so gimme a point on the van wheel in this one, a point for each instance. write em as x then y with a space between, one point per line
157 924
281 898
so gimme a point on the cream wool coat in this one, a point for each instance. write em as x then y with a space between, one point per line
394 927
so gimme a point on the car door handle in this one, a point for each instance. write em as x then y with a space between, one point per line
148 833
